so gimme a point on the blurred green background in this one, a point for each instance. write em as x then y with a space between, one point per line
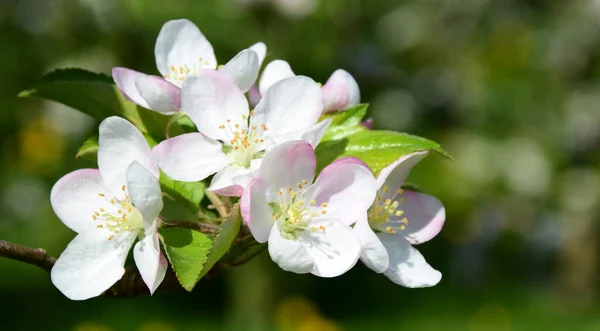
509 87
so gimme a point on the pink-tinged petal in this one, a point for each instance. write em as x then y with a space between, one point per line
351 160
180 43
275 71
211 99
256 211
348 189
190 157
242 69
91 263
159 94
425 216
293 104
125 80
290 255
394 175
316 133
144 191
334 250
75 198
340 91
254 96
261 50
223 183
374 255
368 123
121 143
231 180
407 266
149 260
287 165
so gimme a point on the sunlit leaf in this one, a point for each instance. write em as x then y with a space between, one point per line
222 242
187 251
377 149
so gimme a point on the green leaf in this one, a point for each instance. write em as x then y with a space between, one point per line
377 149
91 93
187 251
96 95
229 230
187 194
88 150
345 123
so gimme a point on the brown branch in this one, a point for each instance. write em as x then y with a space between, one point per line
35 256
130 285
200 227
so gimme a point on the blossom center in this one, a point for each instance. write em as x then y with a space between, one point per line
177 74
294 213
244 144
121 216
385 207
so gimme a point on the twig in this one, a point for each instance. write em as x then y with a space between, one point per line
217 204
130 285
35 256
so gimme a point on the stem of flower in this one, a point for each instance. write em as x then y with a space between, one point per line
217 204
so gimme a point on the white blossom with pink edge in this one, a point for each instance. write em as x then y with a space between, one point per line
306 224
109 208
181 51
397 220
232 138
339 92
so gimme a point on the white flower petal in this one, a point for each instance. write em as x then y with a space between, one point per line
340 91
75 198
121 143
255 210
394 175
91 263
144 191
425 215
374 255
261 50
149 260
159 94
292 104
334 250
125 80
290 255
211 99
180 43
274 72
287 165
407 266
190 157
314 134
242 69
348 189
231 180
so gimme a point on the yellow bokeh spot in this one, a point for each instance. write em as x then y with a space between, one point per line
299 314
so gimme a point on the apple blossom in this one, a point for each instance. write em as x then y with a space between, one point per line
339 92
397 220
109 208
306 224
232 138
181 51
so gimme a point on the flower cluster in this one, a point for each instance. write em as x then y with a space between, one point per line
255 142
